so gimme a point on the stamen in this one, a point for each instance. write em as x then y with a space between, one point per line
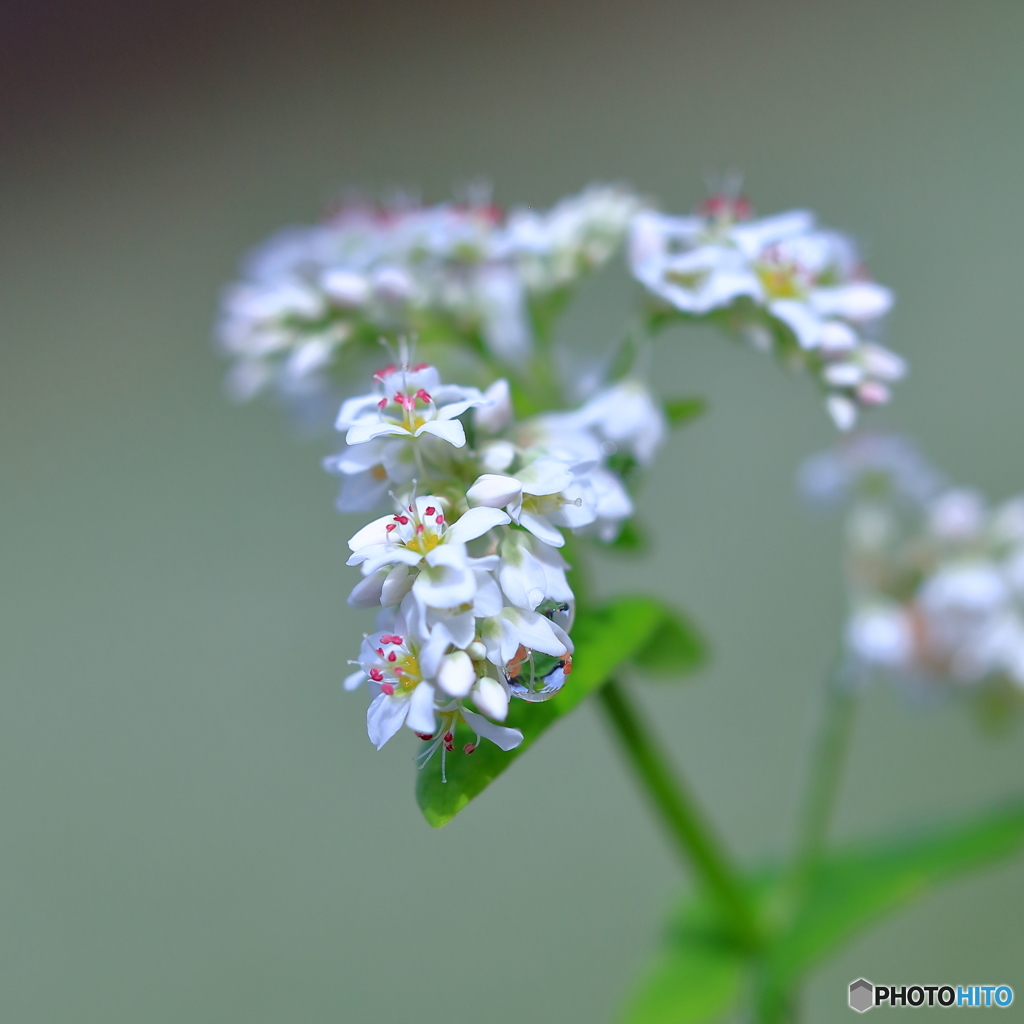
439 520
469 748
376 675
392 656
382 404
387 688
390 527
430 510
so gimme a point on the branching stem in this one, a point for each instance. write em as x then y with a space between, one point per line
686 827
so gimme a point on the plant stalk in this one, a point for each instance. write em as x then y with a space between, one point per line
826 770
685 825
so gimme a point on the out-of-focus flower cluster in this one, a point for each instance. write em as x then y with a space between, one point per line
935 574
465 271
466 567
784 284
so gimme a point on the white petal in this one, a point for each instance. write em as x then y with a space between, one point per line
497 456
384 717
397 584
372 533
462 626
505 738
542 529
445 586
842 410
434 649
487 600
496 414
490 698
366 593
421 710
800 319
494 490
863 300
521 576
448 430
545 476
456 674
475 523
388 554
354 680
534 630
363 432
354 409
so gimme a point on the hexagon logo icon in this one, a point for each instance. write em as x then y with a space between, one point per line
862 995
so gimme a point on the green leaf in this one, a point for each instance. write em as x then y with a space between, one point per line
675 648
692 981
700 976
604 638
852 889
682 410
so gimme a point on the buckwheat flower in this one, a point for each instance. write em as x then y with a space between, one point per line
870 463
370 471
416 549
402 677
503 635
417 686
543 496
628 418
410 402
531 572
552 249
787 285
880 635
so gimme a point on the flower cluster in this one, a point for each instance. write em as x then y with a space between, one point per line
936 576
783 283
475 607
462 270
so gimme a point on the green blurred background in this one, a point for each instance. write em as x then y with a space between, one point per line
195 827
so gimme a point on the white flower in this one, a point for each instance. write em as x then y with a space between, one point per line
957 516
628 417
808 279
416 549
543 496
504 634
401 676
496 411
880 635
370 471
551 250
411 401
531 572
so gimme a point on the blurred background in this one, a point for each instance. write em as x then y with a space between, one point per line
195 827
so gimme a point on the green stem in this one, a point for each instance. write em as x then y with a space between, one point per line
828 756
691 835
